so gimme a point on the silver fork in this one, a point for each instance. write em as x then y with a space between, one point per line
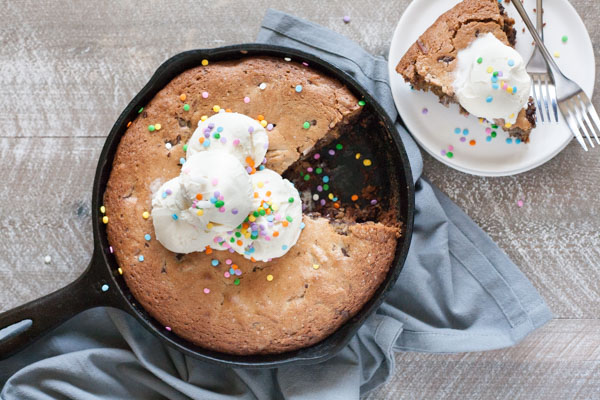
543 89
574 104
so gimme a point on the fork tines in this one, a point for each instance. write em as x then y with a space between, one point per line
581 117
544 92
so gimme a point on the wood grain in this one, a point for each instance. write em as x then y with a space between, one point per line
554 236
68 68
45 210
560 361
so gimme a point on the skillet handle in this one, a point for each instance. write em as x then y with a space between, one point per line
23 325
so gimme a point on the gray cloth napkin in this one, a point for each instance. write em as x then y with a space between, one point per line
458 292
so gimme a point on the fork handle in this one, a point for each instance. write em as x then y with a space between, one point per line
540 19
536 36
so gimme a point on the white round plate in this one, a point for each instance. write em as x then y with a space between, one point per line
435 129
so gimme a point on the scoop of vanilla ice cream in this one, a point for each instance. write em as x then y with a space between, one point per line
212 195
178 233
237 134
275 223
218 189
490 80
223 200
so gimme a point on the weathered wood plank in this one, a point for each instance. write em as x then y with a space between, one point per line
67 69
560 361
70 71
45 200
554 236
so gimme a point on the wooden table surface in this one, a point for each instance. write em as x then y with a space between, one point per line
68 68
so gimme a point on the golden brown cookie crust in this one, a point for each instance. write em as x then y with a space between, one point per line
319 284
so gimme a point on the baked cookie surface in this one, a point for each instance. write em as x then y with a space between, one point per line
220 300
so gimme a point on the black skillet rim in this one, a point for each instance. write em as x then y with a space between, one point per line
331 345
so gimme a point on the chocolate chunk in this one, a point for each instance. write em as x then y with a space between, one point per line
446 59
530 112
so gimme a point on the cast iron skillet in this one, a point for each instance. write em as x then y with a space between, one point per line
101 285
